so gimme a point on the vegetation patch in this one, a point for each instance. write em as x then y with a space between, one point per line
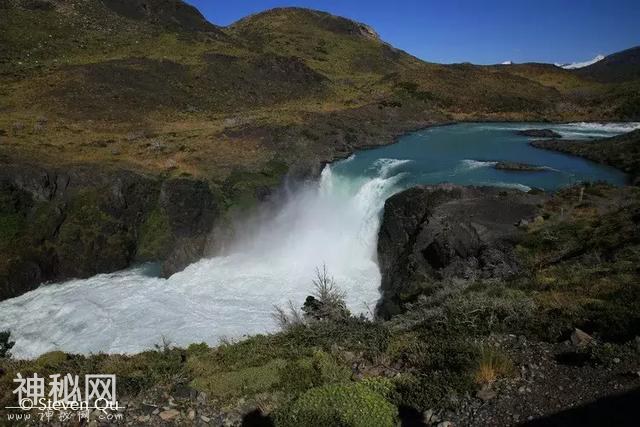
355 404
155 237
233 384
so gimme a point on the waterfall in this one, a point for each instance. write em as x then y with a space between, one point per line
333 221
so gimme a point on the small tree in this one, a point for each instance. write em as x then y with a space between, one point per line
5 344
287 318
328 301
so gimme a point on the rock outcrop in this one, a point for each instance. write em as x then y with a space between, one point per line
448 232
191 210
75 222
518 167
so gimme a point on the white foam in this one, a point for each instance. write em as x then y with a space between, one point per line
384 166
583 130
468 164
334 222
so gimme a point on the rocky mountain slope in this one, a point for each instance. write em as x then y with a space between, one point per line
116 86
618 67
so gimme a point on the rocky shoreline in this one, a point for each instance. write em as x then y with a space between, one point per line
621 152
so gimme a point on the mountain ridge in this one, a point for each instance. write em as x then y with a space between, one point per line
114 88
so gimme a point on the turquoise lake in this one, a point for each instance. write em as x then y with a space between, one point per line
332 222
466 153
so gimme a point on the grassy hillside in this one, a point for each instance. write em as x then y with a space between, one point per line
152 85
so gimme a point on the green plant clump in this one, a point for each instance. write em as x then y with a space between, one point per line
155 237
360 404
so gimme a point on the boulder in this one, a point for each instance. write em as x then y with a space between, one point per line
448 232
486 393
580 338
169 415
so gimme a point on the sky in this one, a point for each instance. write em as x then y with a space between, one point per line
477 31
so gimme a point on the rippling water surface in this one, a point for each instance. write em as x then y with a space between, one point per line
333 221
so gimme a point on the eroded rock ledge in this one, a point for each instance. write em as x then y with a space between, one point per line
442 232
75 222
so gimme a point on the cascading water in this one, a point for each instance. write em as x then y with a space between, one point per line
333 222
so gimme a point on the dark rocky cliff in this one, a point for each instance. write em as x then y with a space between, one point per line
448 232
75 222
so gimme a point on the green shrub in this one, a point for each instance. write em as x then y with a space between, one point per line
440 366
243 382
300 375
52 360
433 389
155 237
469 310
350 405
138 372
352 334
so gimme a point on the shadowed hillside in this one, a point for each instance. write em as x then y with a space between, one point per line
618 67
150 87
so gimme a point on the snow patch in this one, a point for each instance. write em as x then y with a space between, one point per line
577 65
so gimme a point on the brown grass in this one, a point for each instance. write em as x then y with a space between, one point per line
492 365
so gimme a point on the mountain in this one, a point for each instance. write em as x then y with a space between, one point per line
576 65
174 14
112 110
110 68
618 67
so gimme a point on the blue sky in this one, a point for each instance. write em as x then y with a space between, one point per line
482 32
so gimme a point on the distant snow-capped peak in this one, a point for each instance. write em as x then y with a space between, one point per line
507 63
576 65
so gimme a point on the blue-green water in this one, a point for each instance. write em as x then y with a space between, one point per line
466 153
332 222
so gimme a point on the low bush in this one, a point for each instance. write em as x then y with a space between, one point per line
361 404
300 375
243 382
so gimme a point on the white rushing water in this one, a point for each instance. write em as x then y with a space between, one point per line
333 222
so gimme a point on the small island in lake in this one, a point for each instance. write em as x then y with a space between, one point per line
518 167
539 133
